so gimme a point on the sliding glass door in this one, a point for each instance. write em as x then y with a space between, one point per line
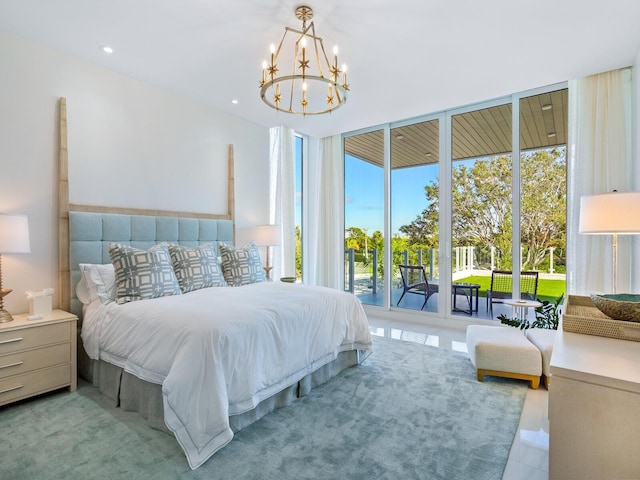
481 202
415 215
460 194
543 195
364 216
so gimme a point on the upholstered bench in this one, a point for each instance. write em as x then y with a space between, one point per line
543 339
503 352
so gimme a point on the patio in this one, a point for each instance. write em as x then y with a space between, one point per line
414 302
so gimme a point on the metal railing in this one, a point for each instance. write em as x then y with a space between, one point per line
465 261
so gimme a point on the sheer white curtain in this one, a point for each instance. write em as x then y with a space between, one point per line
324 263
282 207
600 160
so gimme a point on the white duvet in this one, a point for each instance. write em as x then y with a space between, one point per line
220 351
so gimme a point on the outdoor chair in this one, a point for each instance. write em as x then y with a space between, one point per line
414 280
502 287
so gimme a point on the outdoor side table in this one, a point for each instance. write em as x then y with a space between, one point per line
521 307
469 290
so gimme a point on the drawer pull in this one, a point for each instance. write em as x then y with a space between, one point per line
11 365
11 389
13 340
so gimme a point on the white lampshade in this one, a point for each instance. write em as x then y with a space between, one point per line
14 234
608 213
267 235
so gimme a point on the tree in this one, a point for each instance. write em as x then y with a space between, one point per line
543 204
481 206
354 238
298 252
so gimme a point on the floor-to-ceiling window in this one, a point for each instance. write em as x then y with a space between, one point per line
415 215
364 216
543 199
481 201
503 210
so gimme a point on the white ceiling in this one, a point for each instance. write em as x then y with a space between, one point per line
406 57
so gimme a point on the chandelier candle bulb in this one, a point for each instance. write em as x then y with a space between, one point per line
272 69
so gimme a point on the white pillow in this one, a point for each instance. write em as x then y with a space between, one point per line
97 282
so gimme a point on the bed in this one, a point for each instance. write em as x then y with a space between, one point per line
201 363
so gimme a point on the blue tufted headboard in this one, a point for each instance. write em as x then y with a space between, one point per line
90 234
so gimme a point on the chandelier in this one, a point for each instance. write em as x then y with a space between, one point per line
306 83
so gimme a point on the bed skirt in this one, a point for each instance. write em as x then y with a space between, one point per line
133 394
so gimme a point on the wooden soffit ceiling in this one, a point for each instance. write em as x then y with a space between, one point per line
476 134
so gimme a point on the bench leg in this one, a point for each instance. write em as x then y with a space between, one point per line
534 380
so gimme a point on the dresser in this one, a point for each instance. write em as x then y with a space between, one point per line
594 408
37 356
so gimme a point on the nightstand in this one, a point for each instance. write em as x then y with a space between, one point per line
37 356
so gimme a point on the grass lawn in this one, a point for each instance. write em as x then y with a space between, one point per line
547 289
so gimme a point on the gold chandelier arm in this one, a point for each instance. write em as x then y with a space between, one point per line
338 94
281 43
317 40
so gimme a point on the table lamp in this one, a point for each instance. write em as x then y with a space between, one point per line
14 238
614 213
267 236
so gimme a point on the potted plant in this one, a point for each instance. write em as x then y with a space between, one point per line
547 316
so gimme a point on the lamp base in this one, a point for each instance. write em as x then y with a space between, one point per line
267 271
5 316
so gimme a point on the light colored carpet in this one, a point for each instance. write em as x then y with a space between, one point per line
408 412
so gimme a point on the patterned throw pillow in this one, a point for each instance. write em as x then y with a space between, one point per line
241 266
196 268
142 274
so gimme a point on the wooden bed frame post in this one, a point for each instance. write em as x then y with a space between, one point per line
64 275
64 206
231 199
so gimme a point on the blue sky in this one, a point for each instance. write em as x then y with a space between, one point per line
364 191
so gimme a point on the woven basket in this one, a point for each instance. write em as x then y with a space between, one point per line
582 316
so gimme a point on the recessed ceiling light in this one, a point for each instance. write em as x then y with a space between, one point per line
234 101
548 106
427 154
106 49
399 136
551 135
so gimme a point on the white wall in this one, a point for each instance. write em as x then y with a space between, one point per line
130 144
635 267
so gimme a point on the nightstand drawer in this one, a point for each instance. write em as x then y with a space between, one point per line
18 363
40 381
16 340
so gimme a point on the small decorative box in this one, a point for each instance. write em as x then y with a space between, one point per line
40 302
